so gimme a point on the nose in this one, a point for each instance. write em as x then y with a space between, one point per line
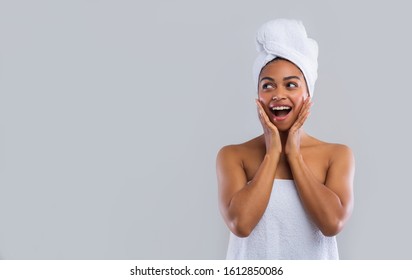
277 97
278 94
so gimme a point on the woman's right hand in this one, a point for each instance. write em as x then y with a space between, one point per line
271 132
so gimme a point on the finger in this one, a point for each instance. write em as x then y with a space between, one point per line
303 115
262 121
262 112
303 119
265 117
302 110
261 115
307 104
300 121
259 105
305 108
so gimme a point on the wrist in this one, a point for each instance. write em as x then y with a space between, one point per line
272 156
294 157
273 150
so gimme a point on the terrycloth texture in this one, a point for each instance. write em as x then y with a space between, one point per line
287 38
284 232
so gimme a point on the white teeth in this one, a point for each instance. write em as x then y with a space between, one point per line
281 108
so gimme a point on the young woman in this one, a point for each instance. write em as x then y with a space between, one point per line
285 194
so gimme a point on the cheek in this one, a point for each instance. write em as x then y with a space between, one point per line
305 95
300 97
263 97
265 100
298 101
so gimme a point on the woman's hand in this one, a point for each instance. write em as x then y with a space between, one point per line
272 138
292 147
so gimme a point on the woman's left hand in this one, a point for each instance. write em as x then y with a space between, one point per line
292 147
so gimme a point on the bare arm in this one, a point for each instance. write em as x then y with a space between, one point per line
329 204
243 203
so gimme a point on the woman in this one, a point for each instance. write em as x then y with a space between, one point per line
285 194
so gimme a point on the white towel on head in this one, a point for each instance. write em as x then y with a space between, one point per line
287 38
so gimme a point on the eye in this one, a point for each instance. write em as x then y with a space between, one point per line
291 85
267 86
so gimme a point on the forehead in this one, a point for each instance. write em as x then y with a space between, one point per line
280 68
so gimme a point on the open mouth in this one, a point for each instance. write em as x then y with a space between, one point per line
281 111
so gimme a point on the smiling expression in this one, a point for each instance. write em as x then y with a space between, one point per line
282 90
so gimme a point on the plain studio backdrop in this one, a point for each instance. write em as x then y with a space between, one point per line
112 113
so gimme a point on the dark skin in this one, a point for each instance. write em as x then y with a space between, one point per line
323 172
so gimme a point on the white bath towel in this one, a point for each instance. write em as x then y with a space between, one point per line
287 38
284 232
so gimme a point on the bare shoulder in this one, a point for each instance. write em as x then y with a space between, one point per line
328 160
241 160
339 153
232 168
332 151
240 151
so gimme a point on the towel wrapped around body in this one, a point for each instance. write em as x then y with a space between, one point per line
285 232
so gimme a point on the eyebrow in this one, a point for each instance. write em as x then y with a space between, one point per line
285 78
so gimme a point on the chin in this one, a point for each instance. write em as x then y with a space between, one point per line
283 128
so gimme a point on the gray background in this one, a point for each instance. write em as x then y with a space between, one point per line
112 113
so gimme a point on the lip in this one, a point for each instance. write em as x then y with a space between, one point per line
276 118
279 119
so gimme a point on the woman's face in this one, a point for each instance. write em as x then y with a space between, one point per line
282 90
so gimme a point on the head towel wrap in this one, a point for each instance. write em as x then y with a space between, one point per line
287 39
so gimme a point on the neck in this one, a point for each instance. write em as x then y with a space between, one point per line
283 139
284 136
